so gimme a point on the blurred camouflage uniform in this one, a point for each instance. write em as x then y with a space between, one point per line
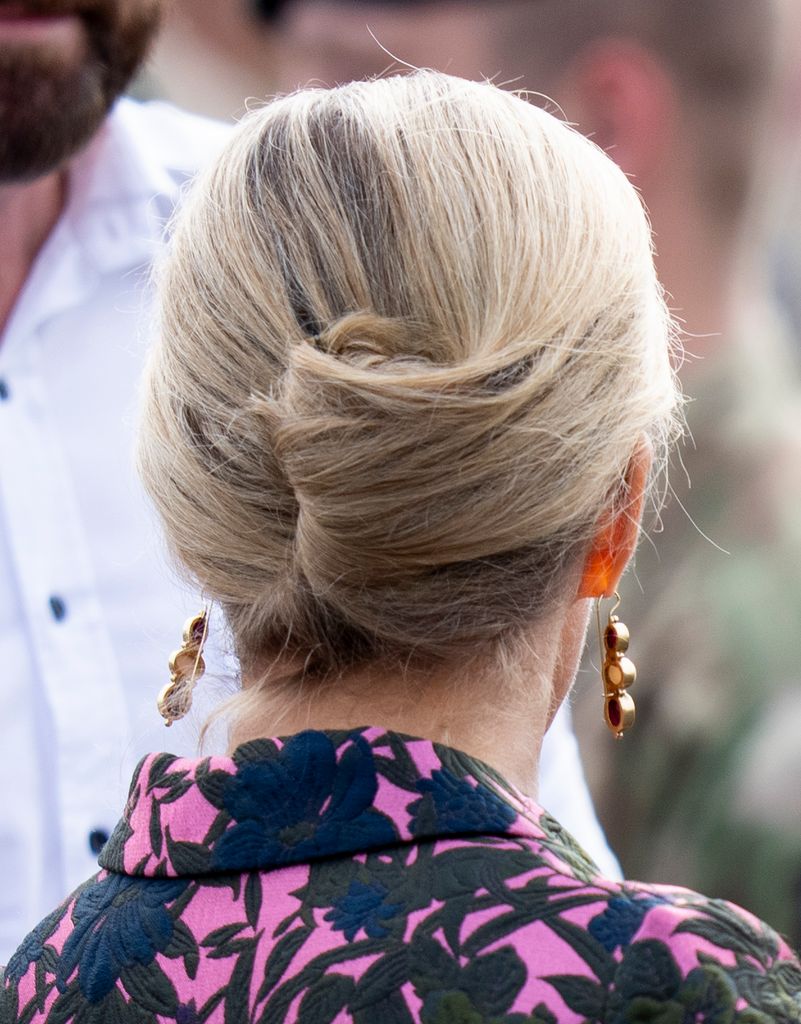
706 789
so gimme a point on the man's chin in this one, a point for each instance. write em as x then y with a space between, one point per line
58 81
47 117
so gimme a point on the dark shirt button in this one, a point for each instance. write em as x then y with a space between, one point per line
58 607
4 392
98 838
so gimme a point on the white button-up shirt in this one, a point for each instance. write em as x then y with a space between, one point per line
89 609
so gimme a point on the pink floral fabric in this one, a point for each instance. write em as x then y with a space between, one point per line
364 877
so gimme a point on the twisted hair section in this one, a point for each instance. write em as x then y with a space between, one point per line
411 336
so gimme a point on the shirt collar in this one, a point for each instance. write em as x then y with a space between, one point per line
123 187
293 800
121 190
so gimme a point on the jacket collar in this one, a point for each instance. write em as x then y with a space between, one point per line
317 794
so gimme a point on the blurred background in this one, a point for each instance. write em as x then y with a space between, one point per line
700 102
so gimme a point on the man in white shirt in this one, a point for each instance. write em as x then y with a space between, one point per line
88 612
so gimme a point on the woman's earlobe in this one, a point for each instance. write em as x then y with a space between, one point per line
615 541
594 580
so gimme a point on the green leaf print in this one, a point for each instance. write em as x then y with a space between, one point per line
253 898
727 930
493 981
237 995
187 859
326 1000
582 995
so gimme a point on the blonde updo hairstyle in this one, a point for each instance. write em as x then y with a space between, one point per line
411 336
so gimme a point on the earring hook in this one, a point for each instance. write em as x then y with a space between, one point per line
202 643
600 630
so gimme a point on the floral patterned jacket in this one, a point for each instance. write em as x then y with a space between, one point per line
372 878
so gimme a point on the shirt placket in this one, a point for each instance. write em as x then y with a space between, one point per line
82 725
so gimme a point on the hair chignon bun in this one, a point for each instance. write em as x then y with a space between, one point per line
411 336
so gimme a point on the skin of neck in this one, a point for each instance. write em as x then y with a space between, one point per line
495 708
28 213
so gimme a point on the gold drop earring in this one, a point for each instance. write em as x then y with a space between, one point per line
186 667
617 672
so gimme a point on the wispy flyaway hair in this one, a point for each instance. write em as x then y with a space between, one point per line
411 336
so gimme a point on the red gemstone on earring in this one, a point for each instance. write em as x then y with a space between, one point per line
610 638
613 713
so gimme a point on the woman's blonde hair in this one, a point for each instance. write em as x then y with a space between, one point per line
411 336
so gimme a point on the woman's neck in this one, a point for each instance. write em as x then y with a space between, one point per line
497 710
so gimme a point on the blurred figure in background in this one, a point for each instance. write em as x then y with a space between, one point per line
688 96
211 56
86 607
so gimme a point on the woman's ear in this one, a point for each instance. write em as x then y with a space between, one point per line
614 543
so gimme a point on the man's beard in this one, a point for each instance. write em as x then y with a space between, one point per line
51 106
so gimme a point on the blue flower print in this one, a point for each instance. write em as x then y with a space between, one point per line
302 804
118 922
187 1013
33 947
363 906
620 921
458 806
31 950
